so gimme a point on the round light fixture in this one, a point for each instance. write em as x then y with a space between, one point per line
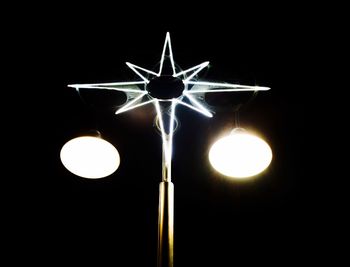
240 154
90 157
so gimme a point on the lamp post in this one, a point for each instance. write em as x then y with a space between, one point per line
166 89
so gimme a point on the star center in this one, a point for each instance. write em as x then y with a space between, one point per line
165 87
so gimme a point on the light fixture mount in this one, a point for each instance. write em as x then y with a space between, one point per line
170 84
165 87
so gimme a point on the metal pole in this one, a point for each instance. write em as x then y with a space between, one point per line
165 255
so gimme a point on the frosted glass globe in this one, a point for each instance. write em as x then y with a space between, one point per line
90 157
240 154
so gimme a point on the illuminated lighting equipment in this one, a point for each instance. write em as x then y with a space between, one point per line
240 154
90 157
184 89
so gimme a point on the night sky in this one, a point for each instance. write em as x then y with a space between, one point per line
113 221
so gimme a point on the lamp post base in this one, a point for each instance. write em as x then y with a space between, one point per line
166 225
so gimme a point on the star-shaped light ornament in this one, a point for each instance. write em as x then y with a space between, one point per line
167 86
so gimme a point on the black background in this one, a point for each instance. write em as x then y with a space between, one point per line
61 218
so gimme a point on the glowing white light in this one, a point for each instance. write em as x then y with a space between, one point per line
132 104
198 86
134 68
133 88
171 130
197 69
126 87
204 112
90 157
210 87
163 132
125 90
87 85
167 43
200 107
240 155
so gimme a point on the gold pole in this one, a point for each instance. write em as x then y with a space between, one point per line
166 217
166 225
